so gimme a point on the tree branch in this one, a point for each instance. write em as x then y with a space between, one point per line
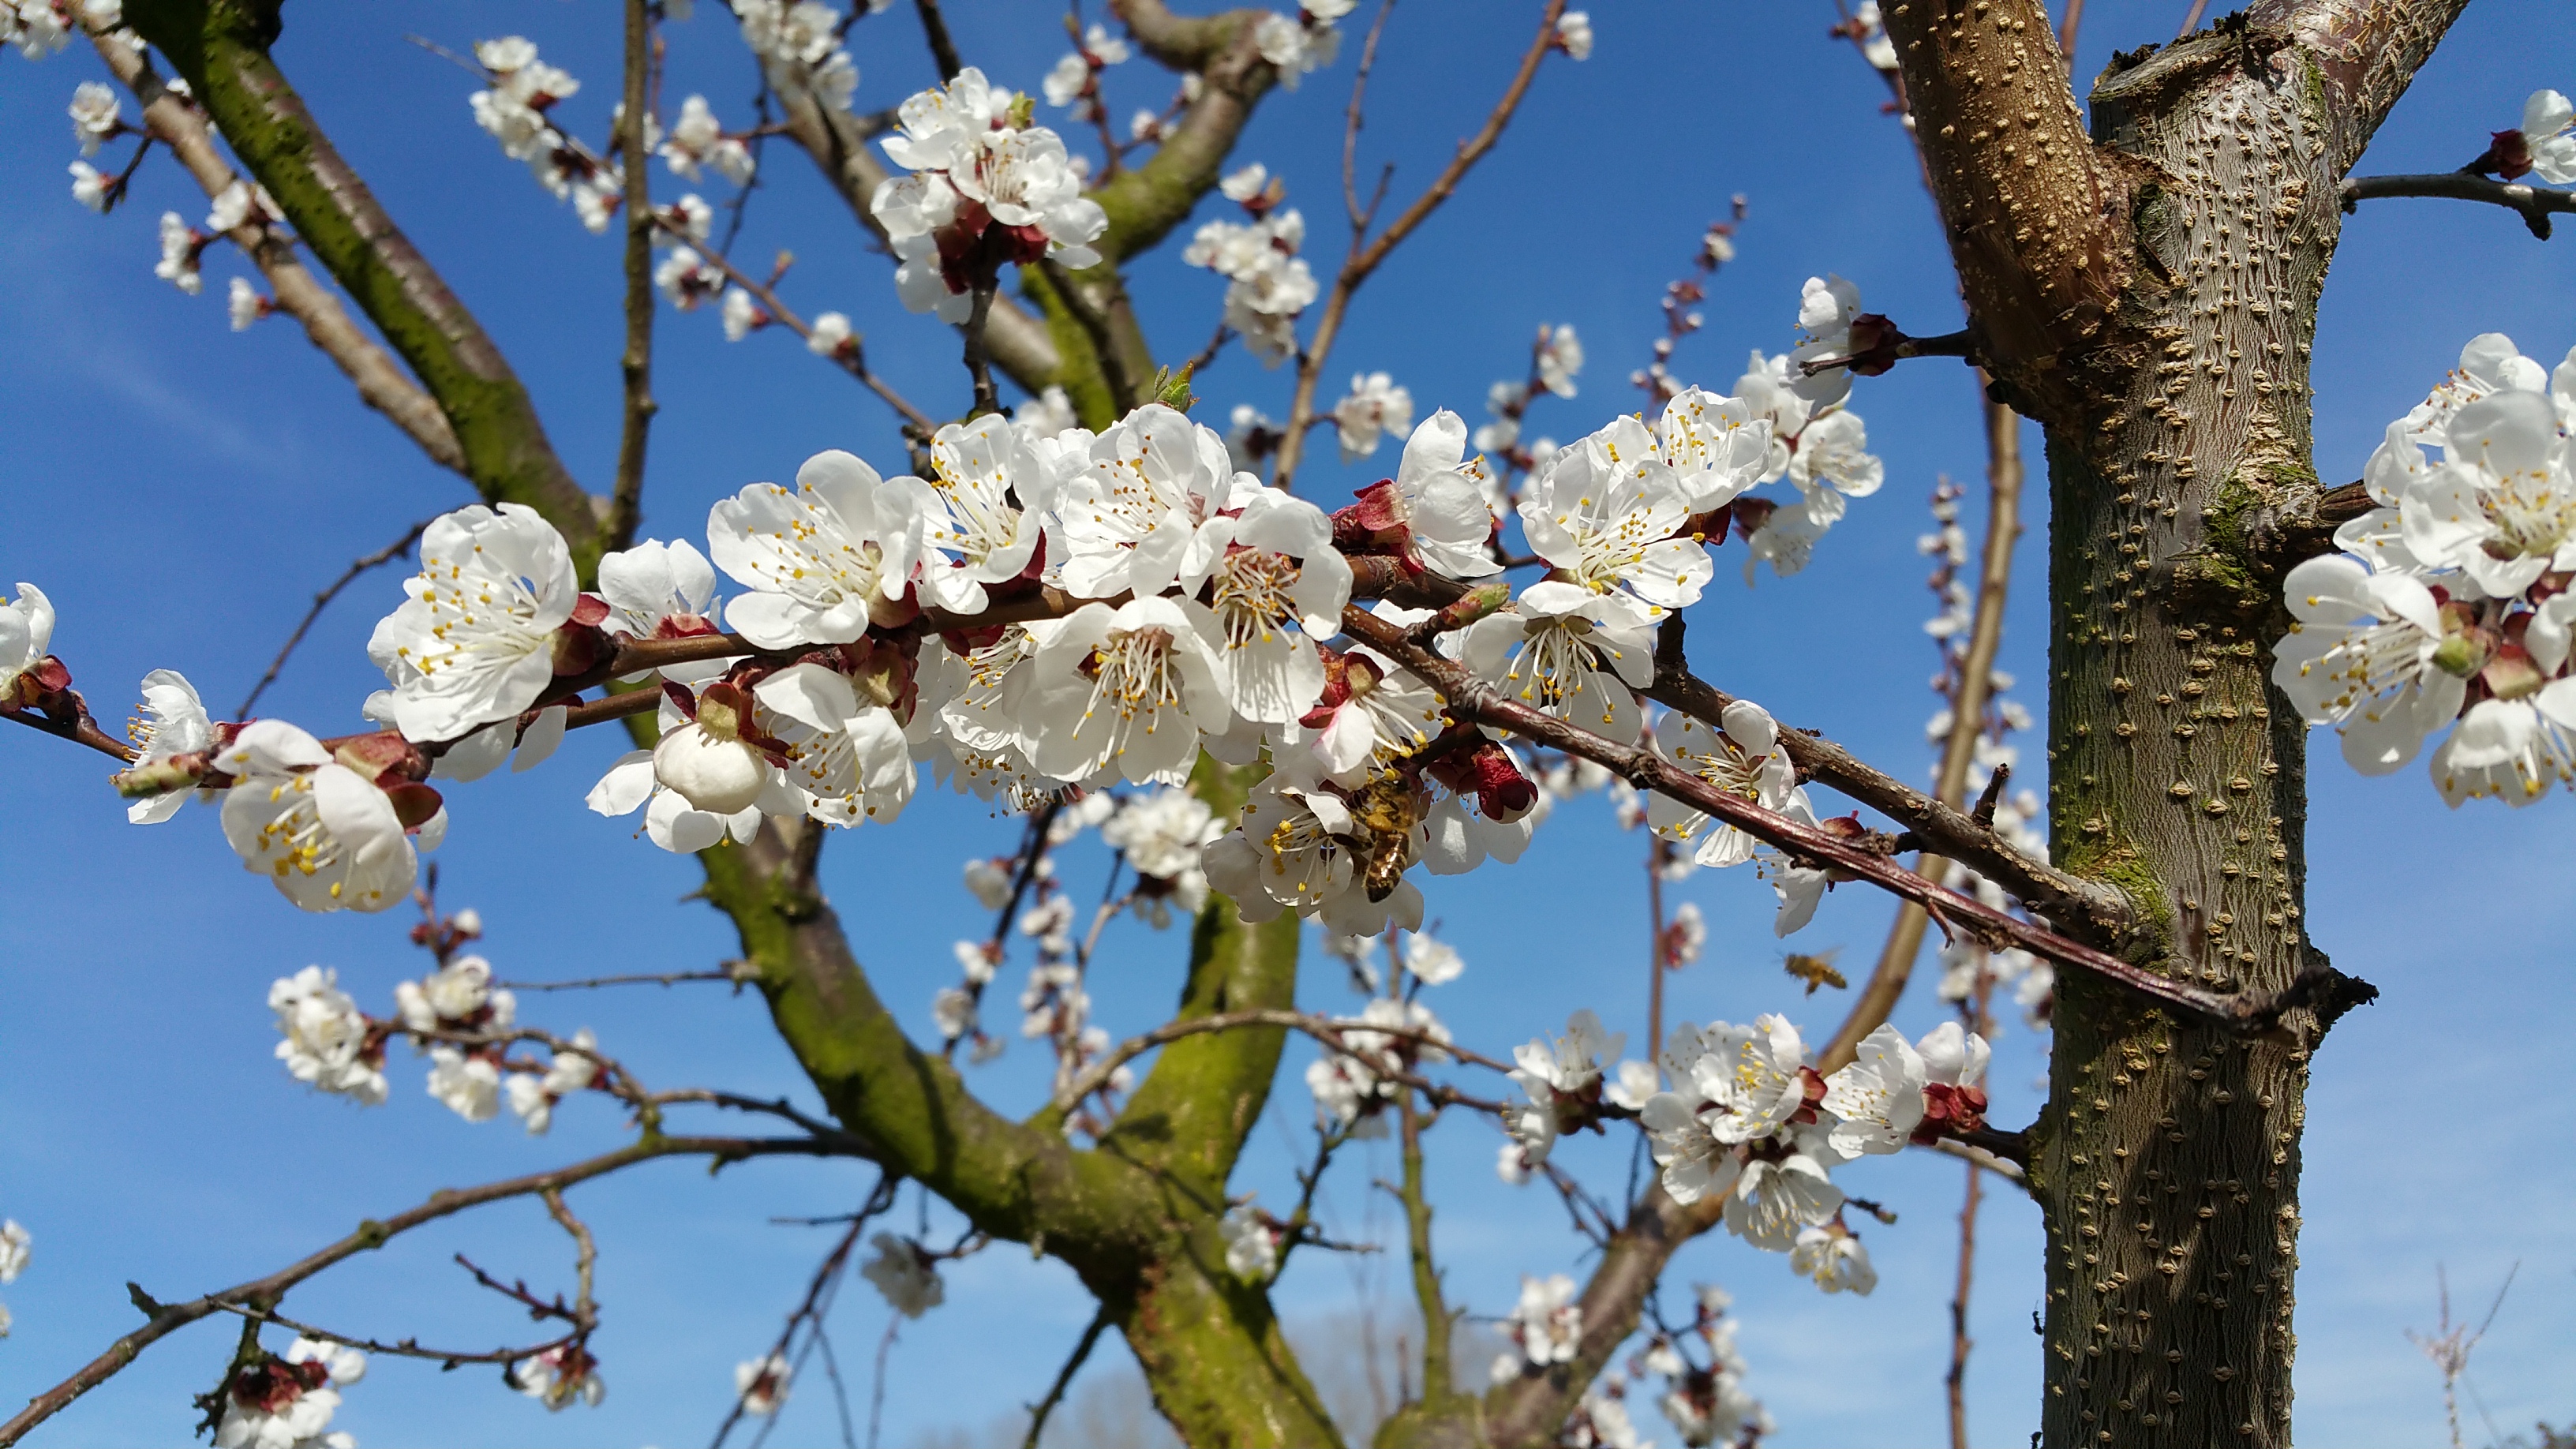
322 600
221 46
2036 225
635 368
2366 51
166 1319
1474 701
381 382
1364 260
1967 724
1064 1378
2536 204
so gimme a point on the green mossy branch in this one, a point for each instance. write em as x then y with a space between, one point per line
221 46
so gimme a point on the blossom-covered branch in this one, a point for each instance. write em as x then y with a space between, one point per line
1474 700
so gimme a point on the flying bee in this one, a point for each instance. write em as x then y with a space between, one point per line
1817 970
1387 810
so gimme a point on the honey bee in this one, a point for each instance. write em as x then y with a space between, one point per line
1387 810
1817 970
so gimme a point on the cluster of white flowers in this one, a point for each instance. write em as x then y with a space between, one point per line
1750 1121
39 28
761 1384
1267 284
985 188
1374 408
1563 1089
1307 42
516 109
1352 1087
799 45
1709 1405
1817 442
698 143
560 1375
1075 80
2451 599
287 1403
1546 1326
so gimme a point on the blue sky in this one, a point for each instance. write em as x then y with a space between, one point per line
180 491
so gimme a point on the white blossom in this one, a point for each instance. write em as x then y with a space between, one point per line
174 723
1574 32
1547 1322
96 115
1251 1247
1835 1259
1743 759
469 1086
180 249
2549 134
846 752
322 832
473 642
1569 652
2368 653
820 562
761 1383
698 141
560 1375
904 1275
1605 511
742 316
325 1037
1559 359
1374 407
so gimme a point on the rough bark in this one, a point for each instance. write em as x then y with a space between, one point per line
2150 295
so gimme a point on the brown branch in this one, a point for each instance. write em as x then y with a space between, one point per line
223 50
1364 260
943 51
1064 1377
1472 700
2066 31
1096 326
322 600
979 359
665 979
381 382
2037 228
2536 204
1351 122
406 1348
2087 907
1967 723
635 367
168 1318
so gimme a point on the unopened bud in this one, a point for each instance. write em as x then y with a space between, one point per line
159 777
1479 602
2460 656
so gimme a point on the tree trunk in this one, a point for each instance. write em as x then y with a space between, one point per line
2168 1159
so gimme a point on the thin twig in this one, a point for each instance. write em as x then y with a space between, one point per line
404 1348
1967 723
885 1347
851 358
1473 700
2535 203
635 365
1327 1030
1064 1377
1364 260
168 1318
2191 18
943 50
880 1198
979 357
666 979
2066 31
322 600
1361 216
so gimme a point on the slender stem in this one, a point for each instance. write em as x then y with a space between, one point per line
168 1318
635 367
2191 18
1437 1380
322 600
880 1198
943 50
2536 203
1975 1009
1364 260
1064 1378
1323 1029
1351 131
979 358
1967 721
1472 700
1656 849
2066 32
894 1321
851 359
